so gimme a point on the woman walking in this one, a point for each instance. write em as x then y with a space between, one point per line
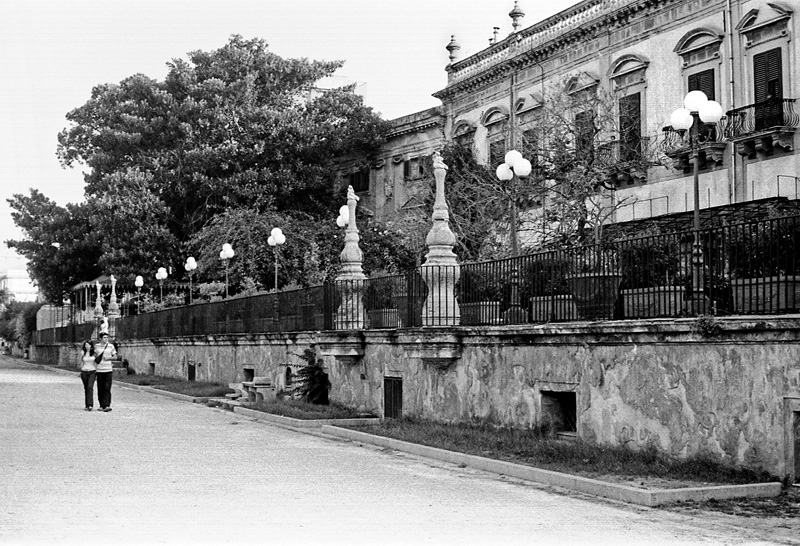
88 372
104 353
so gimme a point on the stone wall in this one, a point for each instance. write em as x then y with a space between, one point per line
731 394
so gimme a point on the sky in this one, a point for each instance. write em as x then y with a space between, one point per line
53 52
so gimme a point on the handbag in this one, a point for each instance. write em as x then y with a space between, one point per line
99 358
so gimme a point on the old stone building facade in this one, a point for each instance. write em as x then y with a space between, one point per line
648 54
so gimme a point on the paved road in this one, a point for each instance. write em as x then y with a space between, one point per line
160 471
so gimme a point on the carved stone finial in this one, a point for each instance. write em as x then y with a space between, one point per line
437 161
516 14
453 48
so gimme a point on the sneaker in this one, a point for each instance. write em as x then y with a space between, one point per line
88 408
106 409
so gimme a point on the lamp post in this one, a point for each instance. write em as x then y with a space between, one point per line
226 254
697 109
515 166
276 239
139 283
190 266
161 275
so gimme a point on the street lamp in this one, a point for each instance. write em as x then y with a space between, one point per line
190 266
139 283
698 109
515 166
161 275
276 239
226 254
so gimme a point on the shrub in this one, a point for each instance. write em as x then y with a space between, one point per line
312 381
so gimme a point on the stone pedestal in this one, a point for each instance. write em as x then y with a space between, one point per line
350 283
440 270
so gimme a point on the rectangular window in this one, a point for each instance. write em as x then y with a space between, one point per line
530 146
703 81
413 169
768 89
584 136
359 180
630 127
497 153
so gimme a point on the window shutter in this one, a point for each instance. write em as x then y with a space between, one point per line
630 126
767 75
703 81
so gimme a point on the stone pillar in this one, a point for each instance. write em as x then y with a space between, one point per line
440 270
350 283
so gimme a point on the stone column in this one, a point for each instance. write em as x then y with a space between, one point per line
440 270
350 283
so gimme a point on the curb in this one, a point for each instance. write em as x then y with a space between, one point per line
624 493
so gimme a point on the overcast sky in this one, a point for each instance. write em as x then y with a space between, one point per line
53 52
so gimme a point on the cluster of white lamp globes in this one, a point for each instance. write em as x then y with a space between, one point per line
709 111
514 164
161 276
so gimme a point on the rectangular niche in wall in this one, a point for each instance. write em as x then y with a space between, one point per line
560 413
152 369
392 397
249 374
191 372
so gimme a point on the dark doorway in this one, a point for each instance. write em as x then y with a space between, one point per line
392 397
559 413
191 372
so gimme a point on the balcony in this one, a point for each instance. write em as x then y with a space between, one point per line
625 162
760 128
711 146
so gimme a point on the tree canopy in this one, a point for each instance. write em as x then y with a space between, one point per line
230 134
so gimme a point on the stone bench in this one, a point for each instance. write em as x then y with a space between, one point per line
259 389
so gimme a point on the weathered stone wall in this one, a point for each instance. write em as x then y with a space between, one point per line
732 395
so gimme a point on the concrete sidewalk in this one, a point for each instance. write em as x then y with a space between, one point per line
160 471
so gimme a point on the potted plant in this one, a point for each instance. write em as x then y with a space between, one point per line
379 300
656 272
594 280
762 261
543 284
479 295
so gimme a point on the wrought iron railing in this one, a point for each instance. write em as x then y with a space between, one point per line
748 268
761 116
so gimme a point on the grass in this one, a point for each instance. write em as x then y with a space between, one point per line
197 389
299 409
531 447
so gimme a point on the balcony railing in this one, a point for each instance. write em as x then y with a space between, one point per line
748 268
761 116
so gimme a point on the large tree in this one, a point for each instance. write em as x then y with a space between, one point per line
230 134
239 126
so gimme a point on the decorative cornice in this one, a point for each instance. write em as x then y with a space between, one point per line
539 41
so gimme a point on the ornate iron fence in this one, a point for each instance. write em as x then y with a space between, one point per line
748 268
